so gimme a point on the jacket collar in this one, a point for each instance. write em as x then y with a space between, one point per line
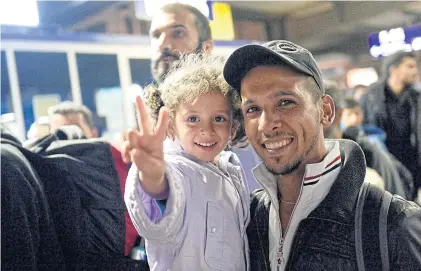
223 161
313 172
340 201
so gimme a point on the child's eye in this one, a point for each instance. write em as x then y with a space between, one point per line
193 119
219 119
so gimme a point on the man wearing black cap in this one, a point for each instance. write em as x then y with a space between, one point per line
303 218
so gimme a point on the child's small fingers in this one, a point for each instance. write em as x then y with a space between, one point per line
133 139
125 152
143 161
143 118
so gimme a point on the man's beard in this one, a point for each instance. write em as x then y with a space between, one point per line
290 168
160 68
159 73
287 169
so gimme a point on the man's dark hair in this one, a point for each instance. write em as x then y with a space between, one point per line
67 108
333 91
351 103
395 60
202 23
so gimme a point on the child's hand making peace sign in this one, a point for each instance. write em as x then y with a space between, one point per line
144 148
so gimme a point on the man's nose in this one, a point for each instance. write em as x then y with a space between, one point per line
268 122
165 42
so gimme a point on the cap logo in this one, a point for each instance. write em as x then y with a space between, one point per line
286 47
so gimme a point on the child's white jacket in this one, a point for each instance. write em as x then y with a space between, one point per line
206 216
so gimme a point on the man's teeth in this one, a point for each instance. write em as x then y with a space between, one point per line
206 144
276 145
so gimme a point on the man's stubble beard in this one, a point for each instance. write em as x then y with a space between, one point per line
288 169
159 78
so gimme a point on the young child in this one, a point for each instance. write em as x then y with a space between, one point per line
204 223
352 115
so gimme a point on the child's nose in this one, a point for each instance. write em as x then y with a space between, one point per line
207 129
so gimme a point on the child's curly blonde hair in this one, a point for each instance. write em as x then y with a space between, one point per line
189 78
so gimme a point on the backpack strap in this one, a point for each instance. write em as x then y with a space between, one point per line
358 226
384 249
371 215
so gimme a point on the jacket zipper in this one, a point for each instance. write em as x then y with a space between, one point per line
280 253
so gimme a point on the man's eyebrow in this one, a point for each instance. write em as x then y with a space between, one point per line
173 26
177 26
274 95
282 93
246 102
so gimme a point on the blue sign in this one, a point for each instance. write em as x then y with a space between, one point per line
387 42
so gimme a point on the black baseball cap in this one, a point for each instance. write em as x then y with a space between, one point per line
276 53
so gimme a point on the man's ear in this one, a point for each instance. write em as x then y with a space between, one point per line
392 68
327 111
207 47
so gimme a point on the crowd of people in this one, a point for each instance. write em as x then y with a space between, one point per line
253 162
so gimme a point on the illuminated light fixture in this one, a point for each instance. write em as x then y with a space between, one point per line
364 76
147 8
416 44
19 12
388 42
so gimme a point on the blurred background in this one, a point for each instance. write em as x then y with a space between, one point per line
97 53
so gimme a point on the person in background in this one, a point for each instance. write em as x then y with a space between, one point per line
303 218
398 180
394 105
70 113
335 131
177 29
352 115
358 91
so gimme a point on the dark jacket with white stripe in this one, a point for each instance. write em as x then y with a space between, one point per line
325 239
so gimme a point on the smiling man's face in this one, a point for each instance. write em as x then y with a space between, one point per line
282 120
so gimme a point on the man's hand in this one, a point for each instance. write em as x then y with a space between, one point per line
144 148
